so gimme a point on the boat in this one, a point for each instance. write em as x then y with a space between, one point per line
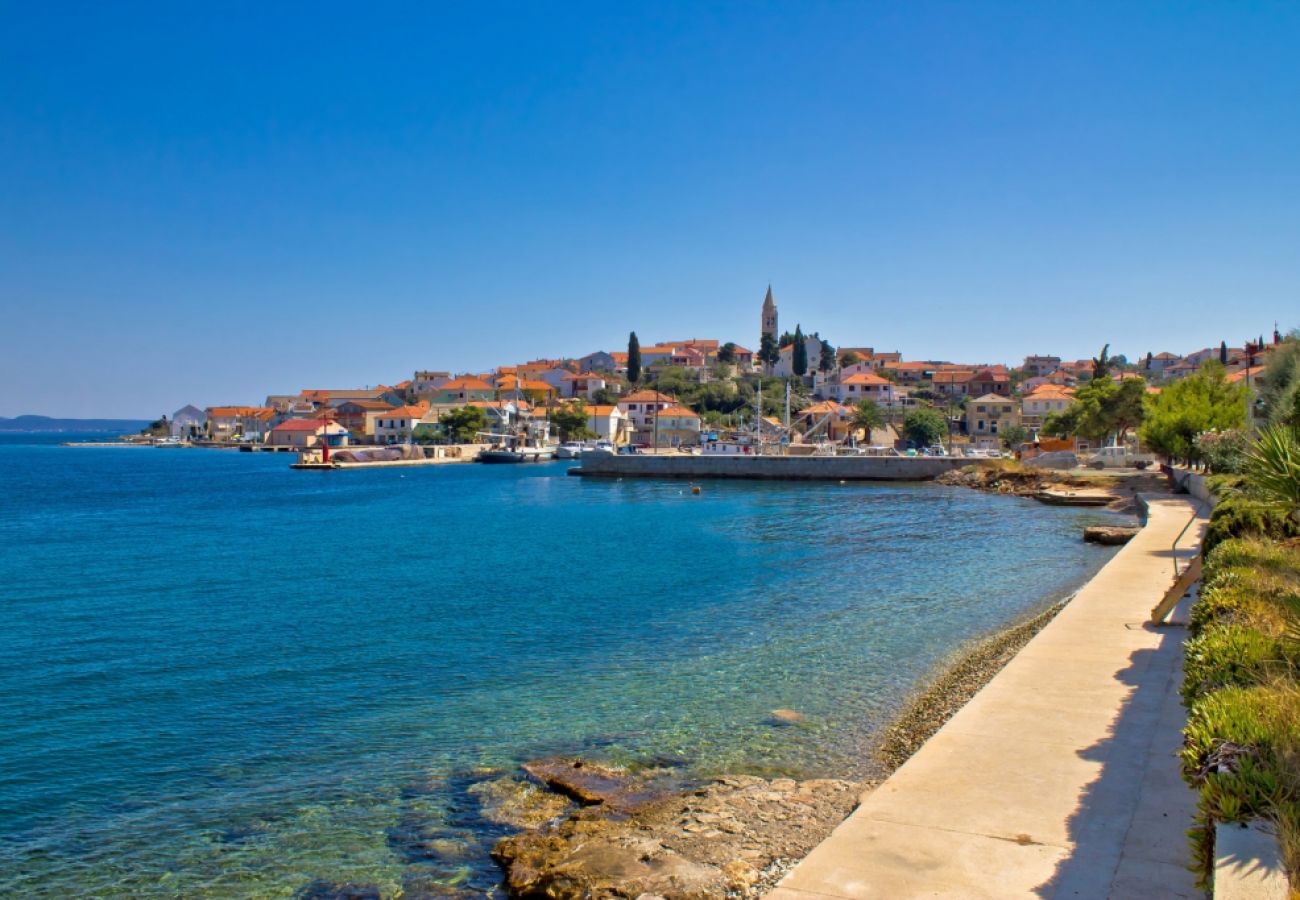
569 450
522 440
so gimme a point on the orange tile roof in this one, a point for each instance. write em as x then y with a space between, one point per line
230 412
680 412
647 396
865 378
466 383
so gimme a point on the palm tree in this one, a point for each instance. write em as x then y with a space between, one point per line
1273 468
866 415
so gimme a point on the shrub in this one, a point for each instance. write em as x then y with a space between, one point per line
1226 655
1240 750
1224 452
1240 516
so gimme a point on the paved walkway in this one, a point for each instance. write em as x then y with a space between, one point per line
1059 778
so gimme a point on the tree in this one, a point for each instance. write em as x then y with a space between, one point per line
925 427
1223 353
849 359
867 416
1014 435
1279 388
463 425
799 354
827 362
769 354
727 353
1101 363
1102 408
1204 401
1147 365
571 421
786 339
633 358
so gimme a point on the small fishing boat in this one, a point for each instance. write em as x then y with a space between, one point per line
569 450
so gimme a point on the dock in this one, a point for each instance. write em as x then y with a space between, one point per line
773 467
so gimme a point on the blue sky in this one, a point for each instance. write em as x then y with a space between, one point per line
211 202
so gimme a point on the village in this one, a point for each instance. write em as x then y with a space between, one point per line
797 392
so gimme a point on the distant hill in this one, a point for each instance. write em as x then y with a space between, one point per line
45 423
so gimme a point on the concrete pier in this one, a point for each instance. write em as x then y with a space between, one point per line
798 468
1059 778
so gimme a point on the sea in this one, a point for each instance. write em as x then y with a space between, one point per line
224 678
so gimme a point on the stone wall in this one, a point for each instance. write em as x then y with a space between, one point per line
807 468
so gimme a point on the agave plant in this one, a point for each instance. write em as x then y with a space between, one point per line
1273 468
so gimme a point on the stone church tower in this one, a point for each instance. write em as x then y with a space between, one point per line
769 315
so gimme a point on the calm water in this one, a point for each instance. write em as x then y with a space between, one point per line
224 678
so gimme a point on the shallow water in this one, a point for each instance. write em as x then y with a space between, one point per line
221 677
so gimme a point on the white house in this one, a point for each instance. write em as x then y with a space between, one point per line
784 367
610 424
189 422
1044 401
395 426
863 386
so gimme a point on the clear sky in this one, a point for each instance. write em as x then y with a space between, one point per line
209 202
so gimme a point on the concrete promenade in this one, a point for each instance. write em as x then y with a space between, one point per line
1059 779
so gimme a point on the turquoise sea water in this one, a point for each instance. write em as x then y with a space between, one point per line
224 678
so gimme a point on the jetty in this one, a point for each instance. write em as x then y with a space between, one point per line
768 466
1060 777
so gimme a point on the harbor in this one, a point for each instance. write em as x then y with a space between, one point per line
780 467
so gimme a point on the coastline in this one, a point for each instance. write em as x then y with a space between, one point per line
737 835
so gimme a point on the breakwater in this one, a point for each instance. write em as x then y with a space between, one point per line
792 468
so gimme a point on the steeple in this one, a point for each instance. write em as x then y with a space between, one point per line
769 314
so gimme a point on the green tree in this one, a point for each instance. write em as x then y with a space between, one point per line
633 358
867 416
769 353
1101 363
1013 436
799 354
1204 401
727 353
1223 353
1102 408
463 425
570 420
827 361
1279 387
849 359
925 427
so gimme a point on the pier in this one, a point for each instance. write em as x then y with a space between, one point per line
795 468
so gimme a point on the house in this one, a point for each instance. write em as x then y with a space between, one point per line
989 415
1158 362
1041 366
641 408
535 391
909 372
293 405
227 422
332 399
863 386
188 423
825 420
461 391
609 423
304 433
397 426
675 426
953 382
356 416
586 385
1042 402
744 358
600 361
990 380
427 381
784 367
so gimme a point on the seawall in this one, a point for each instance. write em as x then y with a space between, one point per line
797 468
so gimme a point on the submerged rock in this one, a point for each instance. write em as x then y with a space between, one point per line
518 804
594 784
732 837
786 716
325 890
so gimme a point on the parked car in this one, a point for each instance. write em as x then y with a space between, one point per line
1119 458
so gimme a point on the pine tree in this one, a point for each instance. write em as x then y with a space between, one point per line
633 358
769 354
827 362
799 355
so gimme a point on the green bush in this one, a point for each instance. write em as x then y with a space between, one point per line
1224 452
1239 752
1226 655
1239 516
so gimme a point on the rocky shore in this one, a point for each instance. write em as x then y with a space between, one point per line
1026 481
636 834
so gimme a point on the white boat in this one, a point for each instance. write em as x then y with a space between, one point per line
569 450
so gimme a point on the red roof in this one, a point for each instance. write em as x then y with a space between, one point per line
302 425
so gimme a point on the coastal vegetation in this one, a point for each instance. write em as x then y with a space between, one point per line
464 424
925 427
1202 402
1102 409
1242 674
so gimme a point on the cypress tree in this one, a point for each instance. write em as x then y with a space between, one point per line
633 358
1223 353
799 355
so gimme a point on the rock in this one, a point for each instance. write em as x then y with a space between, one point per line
507 801
786 716
324 890
593 784
1110 535
723 839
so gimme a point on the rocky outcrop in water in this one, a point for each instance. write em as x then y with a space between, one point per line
731 837
1110 535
